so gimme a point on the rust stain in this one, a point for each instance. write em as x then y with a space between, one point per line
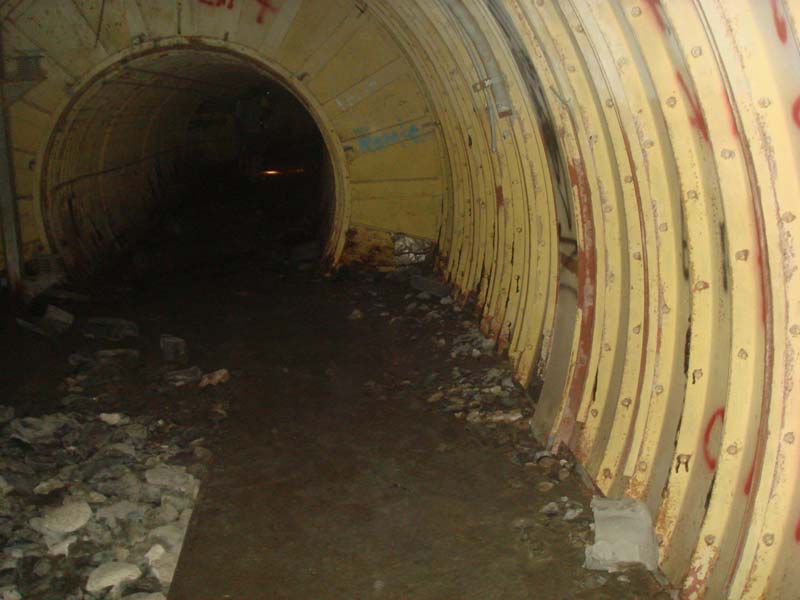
587 289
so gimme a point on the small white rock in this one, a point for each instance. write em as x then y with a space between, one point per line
572 513
164 567
61 547
113 418
146 596
550 509
156 551
68 518
171 535
111 574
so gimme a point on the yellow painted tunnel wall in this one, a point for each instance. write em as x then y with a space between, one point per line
615 183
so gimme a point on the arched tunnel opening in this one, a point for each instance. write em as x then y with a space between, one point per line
420 299
185 159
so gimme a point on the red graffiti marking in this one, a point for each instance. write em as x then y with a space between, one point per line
749 483
796 111
711 461
731 116
266 6
218 3
697 115
780 22
797 531
655 9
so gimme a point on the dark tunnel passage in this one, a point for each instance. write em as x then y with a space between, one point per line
197 160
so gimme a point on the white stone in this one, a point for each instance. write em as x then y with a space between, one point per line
171 535
113 418
146 596
623 534
111 574
68 518
61 547
10 593
156 551
172 477
45 487
120 511
164 567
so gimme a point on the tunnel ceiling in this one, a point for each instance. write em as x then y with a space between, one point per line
613 183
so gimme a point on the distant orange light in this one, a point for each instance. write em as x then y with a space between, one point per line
276 172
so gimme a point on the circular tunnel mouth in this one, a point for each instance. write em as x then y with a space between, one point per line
184 156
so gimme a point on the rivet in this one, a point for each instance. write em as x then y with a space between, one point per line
732 449
607 208
606 347
727 154
701 285
742 254
787 217
697 51
610 278
637 329
622 61
769 539
649 143
663 227
788 437
659 389
636 11
607 473
794 329
691 194
742 353
571 68
637 255
642 465
764 102
672 101
594 412
665 310
579 28
626 402
519 229
710 539
609 102
628 179
697 374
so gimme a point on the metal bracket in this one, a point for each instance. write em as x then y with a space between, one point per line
482 84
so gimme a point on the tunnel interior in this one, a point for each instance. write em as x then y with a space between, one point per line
609 188
195 158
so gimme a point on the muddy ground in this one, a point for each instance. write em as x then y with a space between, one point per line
333 474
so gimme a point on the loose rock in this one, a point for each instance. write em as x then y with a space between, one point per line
111 574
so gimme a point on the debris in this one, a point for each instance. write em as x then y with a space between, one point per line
572 513
113 418
110 328
356 315
183 376
623 531
56 319
545 486
112 574
173 349
6 414
435 397
117 355
550 509
431 286
410 250
215 378
68 518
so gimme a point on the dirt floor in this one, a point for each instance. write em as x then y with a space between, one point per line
333 474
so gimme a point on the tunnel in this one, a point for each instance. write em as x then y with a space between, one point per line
612 186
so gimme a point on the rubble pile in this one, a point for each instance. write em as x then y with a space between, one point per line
94 506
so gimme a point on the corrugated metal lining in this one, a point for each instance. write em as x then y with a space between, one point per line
627 229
